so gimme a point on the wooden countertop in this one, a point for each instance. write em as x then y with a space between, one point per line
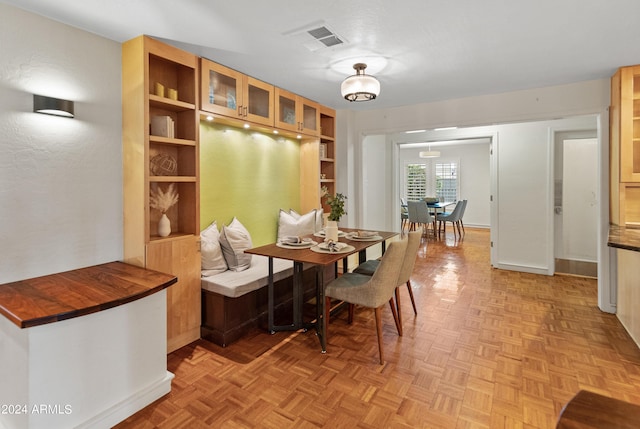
61 296
624 238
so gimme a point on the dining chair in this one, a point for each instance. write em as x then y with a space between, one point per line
419 215
464 207
369 267
372 291
453 217
404 214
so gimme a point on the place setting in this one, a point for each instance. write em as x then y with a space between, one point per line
331 246
294 242
363 236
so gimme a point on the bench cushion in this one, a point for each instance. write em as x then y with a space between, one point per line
237 283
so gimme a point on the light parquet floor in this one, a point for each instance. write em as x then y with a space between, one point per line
488 349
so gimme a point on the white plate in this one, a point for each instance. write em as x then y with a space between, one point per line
322 234
356 238
324 249
304 245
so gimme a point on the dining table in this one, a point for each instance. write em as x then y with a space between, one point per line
440 205
312 251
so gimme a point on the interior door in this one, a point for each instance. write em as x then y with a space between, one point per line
576 205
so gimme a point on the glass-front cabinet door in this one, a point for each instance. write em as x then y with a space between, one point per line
227 92
296 114
258 102
221 88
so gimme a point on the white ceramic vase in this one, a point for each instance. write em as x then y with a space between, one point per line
331 231
164 226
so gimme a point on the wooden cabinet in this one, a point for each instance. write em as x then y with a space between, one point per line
296 113
160 123
227 92
625 146
317 163
180 257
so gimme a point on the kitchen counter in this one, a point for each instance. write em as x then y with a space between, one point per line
624 238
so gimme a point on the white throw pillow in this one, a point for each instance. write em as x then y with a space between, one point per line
294 224
212 259
235 239
319 219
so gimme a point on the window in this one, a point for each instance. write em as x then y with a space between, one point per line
416 182
432 178
447 181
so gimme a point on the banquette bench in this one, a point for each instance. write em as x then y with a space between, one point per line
235 300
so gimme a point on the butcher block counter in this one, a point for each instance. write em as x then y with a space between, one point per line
626 241
82 348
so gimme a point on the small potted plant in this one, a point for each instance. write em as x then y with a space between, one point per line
336 203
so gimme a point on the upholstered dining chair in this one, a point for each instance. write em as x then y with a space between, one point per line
404 214
419 215
372 291
369 267
464 207
453 217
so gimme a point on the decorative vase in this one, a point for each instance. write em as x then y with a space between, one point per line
331 231
164 226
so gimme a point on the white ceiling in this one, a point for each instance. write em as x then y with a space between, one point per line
420 50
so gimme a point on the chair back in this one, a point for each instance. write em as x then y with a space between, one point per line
464 207
413 243
384 281
423 213
412 207
456 214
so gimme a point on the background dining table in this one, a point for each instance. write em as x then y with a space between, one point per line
303 255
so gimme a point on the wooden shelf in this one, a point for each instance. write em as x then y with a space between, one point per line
171 141
169 104
170 179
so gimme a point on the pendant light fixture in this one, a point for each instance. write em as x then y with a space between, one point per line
360 87
430 153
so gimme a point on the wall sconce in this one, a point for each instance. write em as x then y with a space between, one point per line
52 106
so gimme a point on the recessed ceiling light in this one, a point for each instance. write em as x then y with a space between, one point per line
445 128
209 118
246 125
415 131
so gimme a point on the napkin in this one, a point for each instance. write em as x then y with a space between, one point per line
292 239
335 246
366 234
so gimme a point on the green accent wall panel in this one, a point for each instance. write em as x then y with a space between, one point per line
249 175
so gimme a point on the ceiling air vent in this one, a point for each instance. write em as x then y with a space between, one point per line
325 36
315 36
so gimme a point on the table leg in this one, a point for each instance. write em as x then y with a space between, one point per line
321 308
298 295
270 297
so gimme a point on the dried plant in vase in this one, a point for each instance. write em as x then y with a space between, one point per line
162 201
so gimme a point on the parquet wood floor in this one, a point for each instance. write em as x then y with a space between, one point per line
488 349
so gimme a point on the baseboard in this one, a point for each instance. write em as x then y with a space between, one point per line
522 268
126 408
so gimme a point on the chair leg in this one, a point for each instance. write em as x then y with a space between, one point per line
378 313
413 301
350 317
327 310
395 310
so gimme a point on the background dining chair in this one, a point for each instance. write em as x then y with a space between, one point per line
369 267
453 217
464 207
372 291
404 214
419 215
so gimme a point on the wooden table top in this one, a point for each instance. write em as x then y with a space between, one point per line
309 256
74 293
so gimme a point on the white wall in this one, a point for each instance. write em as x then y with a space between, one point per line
61 193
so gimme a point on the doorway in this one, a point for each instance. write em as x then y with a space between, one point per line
576 203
